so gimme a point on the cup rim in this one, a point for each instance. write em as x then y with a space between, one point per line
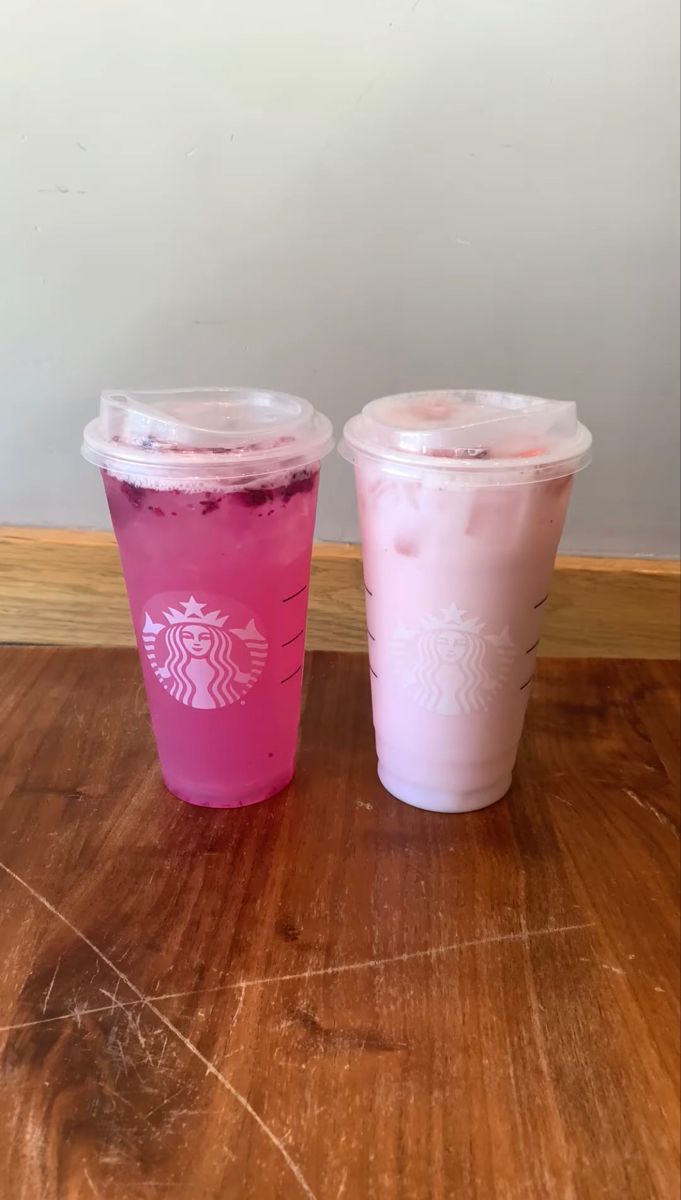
232 459
573 456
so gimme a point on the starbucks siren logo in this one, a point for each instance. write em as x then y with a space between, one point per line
451 664
198 658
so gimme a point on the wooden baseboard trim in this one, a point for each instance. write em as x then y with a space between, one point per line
64 586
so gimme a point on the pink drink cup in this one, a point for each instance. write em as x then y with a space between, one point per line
457 572
449 697
217 577
225 739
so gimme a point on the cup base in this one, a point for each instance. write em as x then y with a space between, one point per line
202 799
441 800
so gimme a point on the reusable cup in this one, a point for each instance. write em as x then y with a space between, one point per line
462 497
212 494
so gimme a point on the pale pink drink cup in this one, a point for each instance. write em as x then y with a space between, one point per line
212 494
462 498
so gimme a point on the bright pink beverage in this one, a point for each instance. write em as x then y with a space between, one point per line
462 499
217 571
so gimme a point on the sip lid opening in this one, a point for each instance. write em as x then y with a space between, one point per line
182 435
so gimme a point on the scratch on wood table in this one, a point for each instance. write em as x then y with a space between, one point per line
48 993
240 985
648 807
211 1069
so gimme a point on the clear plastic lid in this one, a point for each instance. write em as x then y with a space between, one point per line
470 437
218 435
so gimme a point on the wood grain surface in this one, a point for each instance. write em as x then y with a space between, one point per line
332 995
65 587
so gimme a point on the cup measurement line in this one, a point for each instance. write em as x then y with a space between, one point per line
533 647
542 601
293 674
293 639
527 682
367 590
298 593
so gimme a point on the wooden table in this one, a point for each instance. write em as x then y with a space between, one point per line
333 995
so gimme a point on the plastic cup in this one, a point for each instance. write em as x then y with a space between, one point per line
462 498
212 494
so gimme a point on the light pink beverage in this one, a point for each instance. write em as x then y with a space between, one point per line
462 499
216 558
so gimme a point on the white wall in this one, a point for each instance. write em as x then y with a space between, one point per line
343 199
